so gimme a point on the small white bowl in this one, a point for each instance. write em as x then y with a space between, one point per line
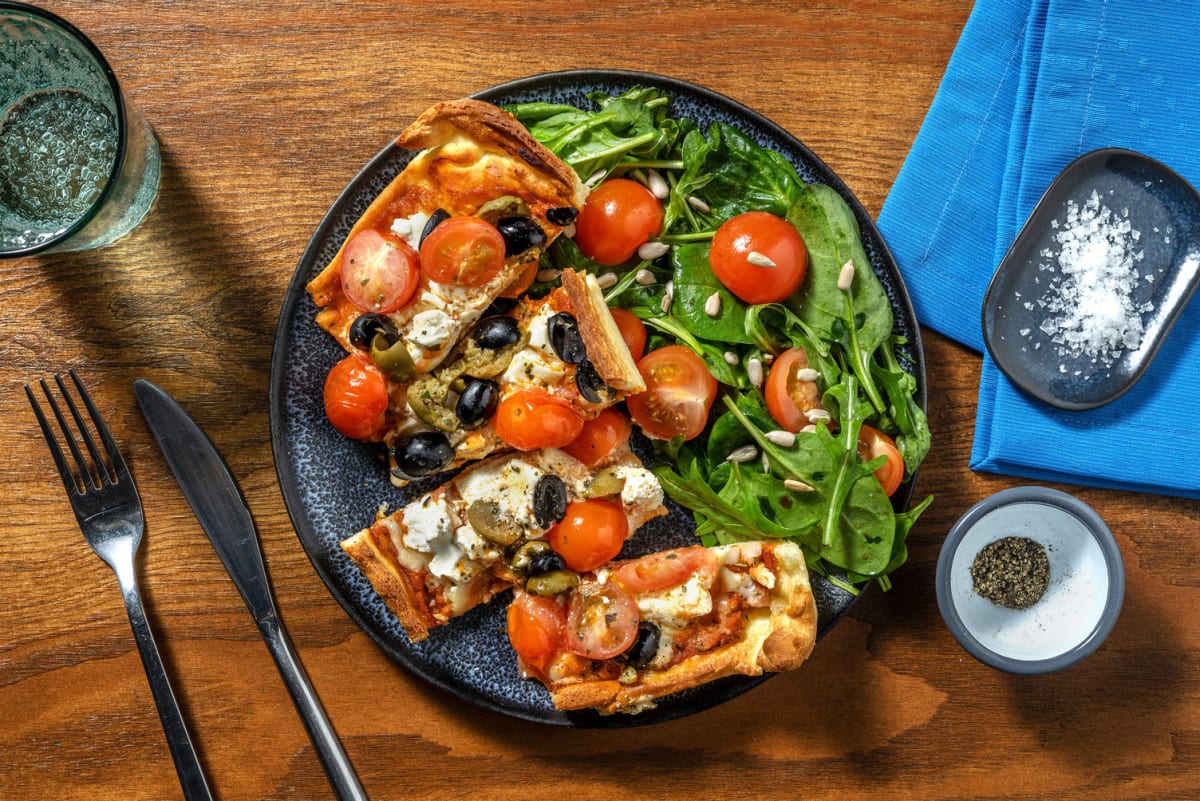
1080 605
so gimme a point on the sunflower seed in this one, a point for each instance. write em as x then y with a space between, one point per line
731 357
547 275
596 178
569 231
668 297
712 306
817 414
698 204
657 186
606 281
766 463
652 250
743 454
807 374
782 438
645 277
809 429
796 485
760 260
754 371
846 276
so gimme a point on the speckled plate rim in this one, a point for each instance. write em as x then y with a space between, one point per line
1112 561
295 321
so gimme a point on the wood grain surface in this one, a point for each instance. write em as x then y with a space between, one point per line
264 111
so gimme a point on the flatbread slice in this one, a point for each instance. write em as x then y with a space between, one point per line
431 562
745 609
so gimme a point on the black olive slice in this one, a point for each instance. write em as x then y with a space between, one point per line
549 500
496 333
366 326
422 454
563 331
562 215
435 219
645 646
520 234
477 401
545 562
591 386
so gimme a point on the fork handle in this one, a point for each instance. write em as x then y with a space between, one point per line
338 769
187 763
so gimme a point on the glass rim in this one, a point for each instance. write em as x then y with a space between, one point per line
122 127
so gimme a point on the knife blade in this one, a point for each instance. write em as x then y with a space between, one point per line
218 504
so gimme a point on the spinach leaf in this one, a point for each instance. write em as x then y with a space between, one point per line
742 176
694 284
859 320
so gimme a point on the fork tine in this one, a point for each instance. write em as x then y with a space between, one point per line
60 459
87 480
110 445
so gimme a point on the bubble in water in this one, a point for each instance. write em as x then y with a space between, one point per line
57 149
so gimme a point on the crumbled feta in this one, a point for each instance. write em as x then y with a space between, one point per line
533 367
429 525
430 329
410 228
675 607
539 330
641 489
509 484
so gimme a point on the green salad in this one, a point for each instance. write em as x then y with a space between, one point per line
756 470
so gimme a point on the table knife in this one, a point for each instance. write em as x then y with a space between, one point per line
218 504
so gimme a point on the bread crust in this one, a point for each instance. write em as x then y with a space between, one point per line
605 345
774 638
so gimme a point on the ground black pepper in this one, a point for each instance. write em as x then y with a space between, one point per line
1012 572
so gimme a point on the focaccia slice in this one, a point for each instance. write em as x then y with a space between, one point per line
455 547
701 613
472 154
588 382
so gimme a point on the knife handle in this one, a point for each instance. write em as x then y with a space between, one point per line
338 769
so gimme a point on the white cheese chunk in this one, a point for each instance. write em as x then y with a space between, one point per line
531 367
410 228
429 525
507 483
676 606
539 330
430 329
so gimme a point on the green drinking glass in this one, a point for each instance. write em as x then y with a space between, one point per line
79 166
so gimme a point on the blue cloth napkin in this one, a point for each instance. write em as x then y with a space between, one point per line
1031 85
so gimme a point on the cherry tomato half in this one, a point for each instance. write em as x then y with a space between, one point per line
463 250
535 629
679 393
590 534
602 621
789 399
379 272
665 569
356 398
529 419
608 430
752 278
619 217
873 443
633 331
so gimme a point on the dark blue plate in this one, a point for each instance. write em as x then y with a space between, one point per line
1164 209
332 486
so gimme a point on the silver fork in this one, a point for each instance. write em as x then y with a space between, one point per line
109 512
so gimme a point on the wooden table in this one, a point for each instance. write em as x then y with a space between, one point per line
264 111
